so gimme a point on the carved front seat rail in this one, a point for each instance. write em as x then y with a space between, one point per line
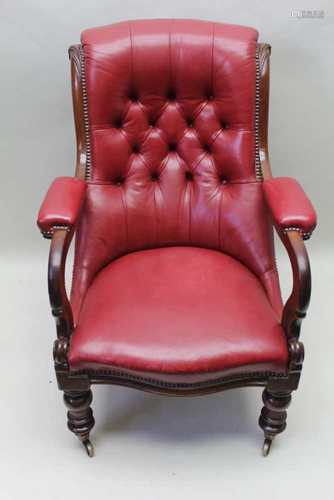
175 288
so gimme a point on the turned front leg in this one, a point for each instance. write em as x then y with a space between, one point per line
80 416
273 416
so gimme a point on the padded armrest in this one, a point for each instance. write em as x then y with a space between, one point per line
61 205
289 205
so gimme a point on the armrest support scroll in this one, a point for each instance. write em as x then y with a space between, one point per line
57 218
297 304
294 218
59 302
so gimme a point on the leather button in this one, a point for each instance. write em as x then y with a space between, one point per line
133 96
222 180
135 148
207 147
172 146
189 175
171 95
190 122
118 123
154 176
119 181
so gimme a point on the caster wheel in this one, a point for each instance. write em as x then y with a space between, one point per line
266 447
88 447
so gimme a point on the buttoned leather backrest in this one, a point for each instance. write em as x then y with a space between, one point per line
171 114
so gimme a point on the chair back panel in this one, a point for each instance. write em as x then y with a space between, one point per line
171 115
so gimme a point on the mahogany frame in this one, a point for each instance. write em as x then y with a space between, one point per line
278 388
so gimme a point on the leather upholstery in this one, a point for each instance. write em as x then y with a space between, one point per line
62 204
289 205
171 126
178 311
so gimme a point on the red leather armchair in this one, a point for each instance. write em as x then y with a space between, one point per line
175 288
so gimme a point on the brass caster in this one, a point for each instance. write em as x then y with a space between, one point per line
89 447
266 447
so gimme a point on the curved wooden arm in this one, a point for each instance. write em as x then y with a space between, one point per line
297 304
60 305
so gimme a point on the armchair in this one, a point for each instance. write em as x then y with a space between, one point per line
175 288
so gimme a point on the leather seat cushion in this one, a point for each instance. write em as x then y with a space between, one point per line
177 313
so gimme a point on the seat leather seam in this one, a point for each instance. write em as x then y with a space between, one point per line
125 218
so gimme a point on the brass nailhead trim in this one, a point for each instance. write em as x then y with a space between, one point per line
50 233
88 170
161 383
258 167
306 235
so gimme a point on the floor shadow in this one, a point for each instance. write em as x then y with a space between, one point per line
176 419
